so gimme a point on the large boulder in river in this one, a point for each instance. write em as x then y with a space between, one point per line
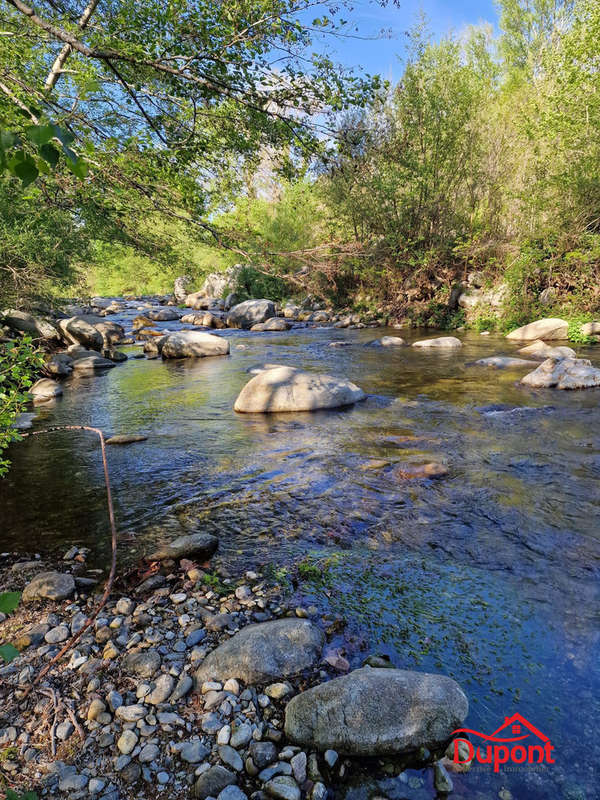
540 350
111 332
76 330
250 312
273 324
198 545
377 712
547 328
163 315
194 344
443 342
265 652
563 373
26 323
289 389
49 586
199 301
45 389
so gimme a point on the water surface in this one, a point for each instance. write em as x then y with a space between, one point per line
489 575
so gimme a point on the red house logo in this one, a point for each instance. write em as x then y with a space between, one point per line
507 745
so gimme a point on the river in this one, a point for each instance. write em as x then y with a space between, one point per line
489 574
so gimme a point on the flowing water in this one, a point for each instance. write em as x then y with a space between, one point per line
489 574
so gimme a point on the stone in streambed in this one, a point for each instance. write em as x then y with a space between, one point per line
565 373
126 438
194 344
287 389
49 586
501 362
213 781
441 342
541 350
433 469
250 312
264 653
547 328
92 363
45 389
389 341
144 663
377 712
200 545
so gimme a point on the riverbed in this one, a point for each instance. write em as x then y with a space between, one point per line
489 574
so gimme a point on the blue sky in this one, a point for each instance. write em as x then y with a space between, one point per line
381 56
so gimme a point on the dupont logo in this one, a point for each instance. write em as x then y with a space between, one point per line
516 741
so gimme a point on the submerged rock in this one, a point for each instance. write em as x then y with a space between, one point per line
49 586
201 545
501 362
563 373
389 341
126 438
377 712
250 312
433 469
444 342
290 389
194 344
547 328
265 652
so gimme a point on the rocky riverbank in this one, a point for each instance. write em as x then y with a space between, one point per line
191 684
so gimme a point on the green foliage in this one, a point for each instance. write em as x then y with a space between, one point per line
11 795
19 362
8 603
439 315
574 332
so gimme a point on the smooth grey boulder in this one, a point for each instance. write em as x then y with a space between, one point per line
111 332
199 301
540 350
49 586
377 712
264 652
77 330
443 342
162 314
502 362
194 344
563 373
92 363
273 324
289 389
250 312
200 545
547 328
27 323
45 388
